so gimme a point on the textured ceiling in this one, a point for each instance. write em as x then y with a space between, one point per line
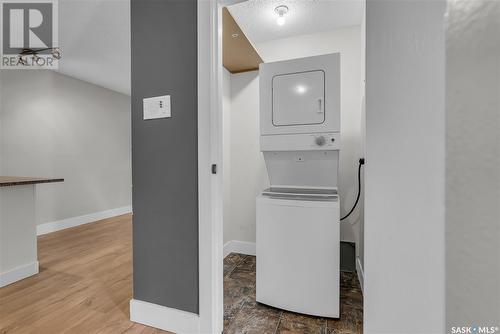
94 36
257 18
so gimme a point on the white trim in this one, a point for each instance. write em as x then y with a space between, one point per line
19 273
165 318
240 247
361 273
209 232
80 220
210 193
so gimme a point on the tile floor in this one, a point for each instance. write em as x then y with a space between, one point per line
242 314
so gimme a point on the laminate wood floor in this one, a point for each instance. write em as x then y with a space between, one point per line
84 285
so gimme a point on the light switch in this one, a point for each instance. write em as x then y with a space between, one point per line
156 107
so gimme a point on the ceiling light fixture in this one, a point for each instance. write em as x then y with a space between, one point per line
235 35
281 11
26 54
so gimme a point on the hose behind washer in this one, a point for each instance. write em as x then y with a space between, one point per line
361 163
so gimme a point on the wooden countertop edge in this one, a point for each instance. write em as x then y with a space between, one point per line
21 181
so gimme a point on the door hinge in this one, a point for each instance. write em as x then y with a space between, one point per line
214 169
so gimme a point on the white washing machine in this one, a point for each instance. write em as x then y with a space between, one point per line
298 250
298 217
298 233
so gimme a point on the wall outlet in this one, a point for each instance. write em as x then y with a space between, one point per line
156 107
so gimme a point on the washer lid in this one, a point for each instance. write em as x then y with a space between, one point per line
302 194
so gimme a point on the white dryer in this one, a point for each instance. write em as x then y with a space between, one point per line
300 96
298 217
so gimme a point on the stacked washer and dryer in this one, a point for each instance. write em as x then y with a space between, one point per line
298 217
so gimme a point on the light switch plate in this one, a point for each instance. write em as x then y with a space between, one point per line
156 107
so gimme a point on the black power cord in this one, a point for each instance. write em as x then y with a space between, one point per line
361 163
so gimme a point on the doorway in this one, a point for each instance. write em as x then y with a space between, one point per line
244 173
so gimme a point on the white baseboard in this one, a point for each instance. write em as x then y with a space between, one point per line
165 318
241 247
80 220
18 273
361 274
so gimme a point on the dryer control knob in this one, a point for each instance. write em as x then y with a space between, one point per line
320 141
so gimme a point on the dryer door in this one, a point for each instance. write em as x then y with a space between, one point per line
298 98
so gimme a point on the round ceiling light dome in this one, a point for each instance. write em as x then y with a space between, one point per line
281 11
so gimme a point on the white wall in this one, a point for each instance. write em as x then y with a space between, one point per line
226 155
405 150
472 164
360 244
54 125
246 96
1 141
248 176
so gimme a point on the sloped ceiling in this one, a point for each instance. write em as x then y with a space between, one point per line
94 36
238 54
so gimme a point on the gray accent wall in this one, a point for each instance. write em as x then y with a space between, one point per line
165 154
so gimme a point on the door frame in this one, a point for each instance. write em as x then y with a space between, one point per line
210 186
